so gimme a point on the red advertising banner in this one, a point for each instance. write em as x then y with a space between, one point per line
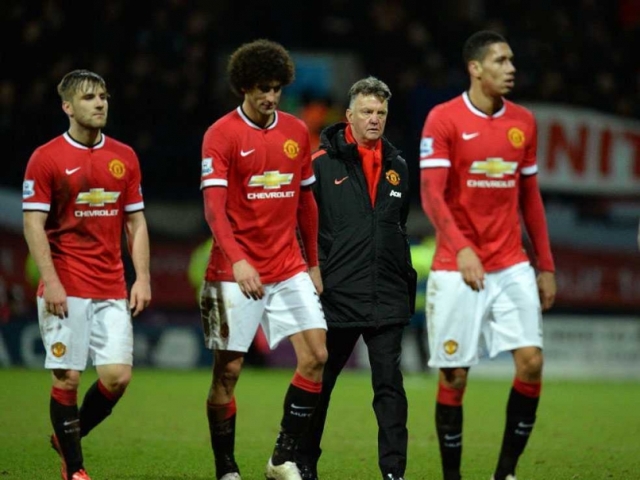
585 151
597 279
586 278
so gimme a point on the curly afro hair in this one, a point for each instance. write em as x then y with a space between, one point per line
257 63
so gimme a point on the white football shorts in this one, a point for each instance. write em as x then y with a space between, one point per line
100 329
230 320
463 324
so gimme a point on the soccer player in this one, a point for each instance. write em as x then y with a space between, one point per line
256 178
363 199
80 190
478 175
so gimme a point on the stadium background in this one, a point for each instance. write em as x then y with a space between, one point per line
578 69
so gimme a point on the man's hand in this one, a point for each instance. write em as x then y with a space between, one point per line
55 299
248 280
140 296
547 289
471 268
316 278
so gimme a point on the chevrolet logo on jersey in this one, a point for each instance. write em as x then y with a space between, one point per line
493 167
97 197
271 179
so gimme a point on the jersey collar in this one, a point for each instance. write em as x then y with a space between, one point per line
81 146
475 111
248 121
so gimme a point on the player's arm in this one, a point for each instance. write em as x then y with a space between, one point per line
54 295
433 182
435 161
308 226
138 243
217 156
247 277
535 223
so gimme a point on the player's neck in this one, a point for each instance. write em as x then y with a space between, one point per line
485 103
85 136
261 120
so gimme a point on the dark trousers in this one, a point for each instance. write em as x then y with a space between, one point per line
389 398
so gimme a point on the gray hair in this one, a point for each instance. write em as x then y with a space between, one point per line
369 86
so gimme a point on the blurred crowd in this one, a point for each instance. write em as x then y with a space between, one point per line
160 60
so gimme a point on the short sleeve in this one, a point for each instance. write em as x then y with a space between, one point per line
134 201
216 155
308 176
37 186
530 165
435 143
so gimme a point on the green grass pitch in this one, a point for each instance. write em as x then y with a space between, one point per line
587 430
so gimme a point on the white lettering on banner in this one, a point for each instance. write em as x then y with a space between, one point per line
581 150
268 195
491 183
95 213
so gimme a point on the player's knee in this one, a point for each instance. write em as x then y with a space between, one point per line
66 379
320 355
455 378
311 362
317 358
117 380
530 365
227 373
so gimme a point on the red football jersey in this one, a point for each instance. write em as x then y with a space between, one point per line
86 192
263 170
486 156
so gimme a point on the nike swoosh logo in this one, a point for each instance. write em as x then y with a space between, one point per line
469 136
452 437
248 152
71 172
525 425
70 422
338 182
299 407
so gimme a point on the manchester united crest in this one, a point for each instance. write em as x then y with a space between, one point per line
392 177
450 347
516 137
116 167
291 148
58 349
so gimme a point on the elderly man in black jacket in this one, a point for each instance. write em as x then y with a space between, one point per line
362 192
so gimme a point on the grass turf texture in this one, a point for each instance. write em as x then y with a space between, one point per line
586 430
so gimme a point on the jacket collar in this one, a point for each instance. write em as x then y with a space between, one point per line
333 141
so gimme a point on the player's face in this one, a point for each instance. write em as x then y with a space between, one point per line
368 117
262 100
88 107
497 72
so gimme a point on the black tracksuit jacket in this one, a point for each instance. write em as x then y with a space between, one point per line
363 250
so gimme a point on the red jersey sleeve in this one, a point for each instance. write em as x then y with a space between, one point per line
133 200
529 164
38 181
307 170
216 155
435 144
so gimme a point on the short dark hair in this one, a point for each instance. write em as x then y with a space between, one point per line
78 80
259 62
476 46
369 86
